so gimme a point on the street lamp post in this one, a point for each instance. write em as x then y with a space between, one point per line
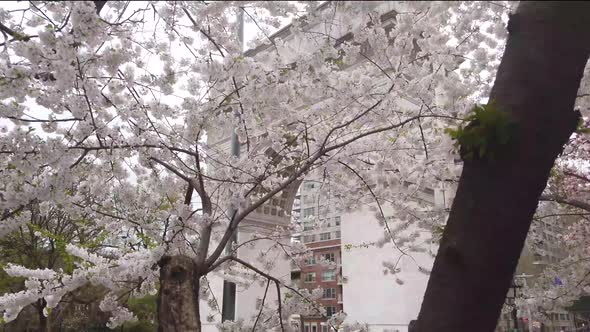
228 311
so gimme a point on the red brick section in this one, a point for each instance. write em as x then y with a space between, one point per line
320 248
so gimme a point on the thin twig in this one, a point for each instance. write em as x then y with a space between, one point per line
261 305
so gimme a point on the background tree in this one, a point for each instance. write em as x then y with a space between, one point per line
40 244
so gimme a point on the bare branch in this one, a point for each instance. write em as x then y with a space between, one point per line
278 283
190 17
389 232
280 308
261 305
567 201
172 169
577 176
7 214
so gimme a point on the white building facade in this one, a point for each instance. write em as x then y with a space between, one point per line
384 303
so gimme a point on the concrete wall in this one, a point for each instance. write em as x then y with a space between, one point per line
370 296
251 287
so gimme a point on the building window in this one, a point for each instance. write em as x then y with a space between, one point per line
328 276
307 327
329 257
314 327
310 277
324 328
329 293
337 234
325 236
309 238
330 311
310 261
337 220
308 212
307 226
561 316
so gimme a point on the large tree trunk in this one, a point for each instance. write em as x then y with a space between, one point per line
537 82
178 300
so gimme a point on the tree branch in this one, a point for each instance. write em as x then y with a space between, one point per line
190 17
7 214
261 305
380 211
278 283
296 175
567 201
280 308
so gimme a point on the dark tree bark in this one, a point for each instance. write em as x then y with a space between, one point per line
178 301
44 324
99 5
537 81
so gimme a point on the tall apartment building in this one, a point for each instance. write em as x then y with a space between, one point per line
324 267
355 282
534 258
551 252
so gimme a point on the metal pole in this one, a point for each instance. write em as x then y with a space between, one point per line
228 310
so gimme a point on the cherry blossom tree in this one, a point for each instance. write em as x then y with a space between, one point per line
124 101
563 209
537 84
40 244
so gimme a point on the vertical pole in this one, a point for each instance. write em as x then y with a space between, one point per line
228 310
514 316
528 307
515 319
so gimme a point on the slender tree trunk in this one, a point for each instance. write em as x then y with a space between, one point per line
178 299
44 323
537 83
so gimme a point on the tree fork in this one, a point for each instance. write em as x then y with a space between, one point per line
537 81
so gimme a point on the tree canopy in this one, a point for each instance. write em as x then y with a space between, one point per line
118 114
